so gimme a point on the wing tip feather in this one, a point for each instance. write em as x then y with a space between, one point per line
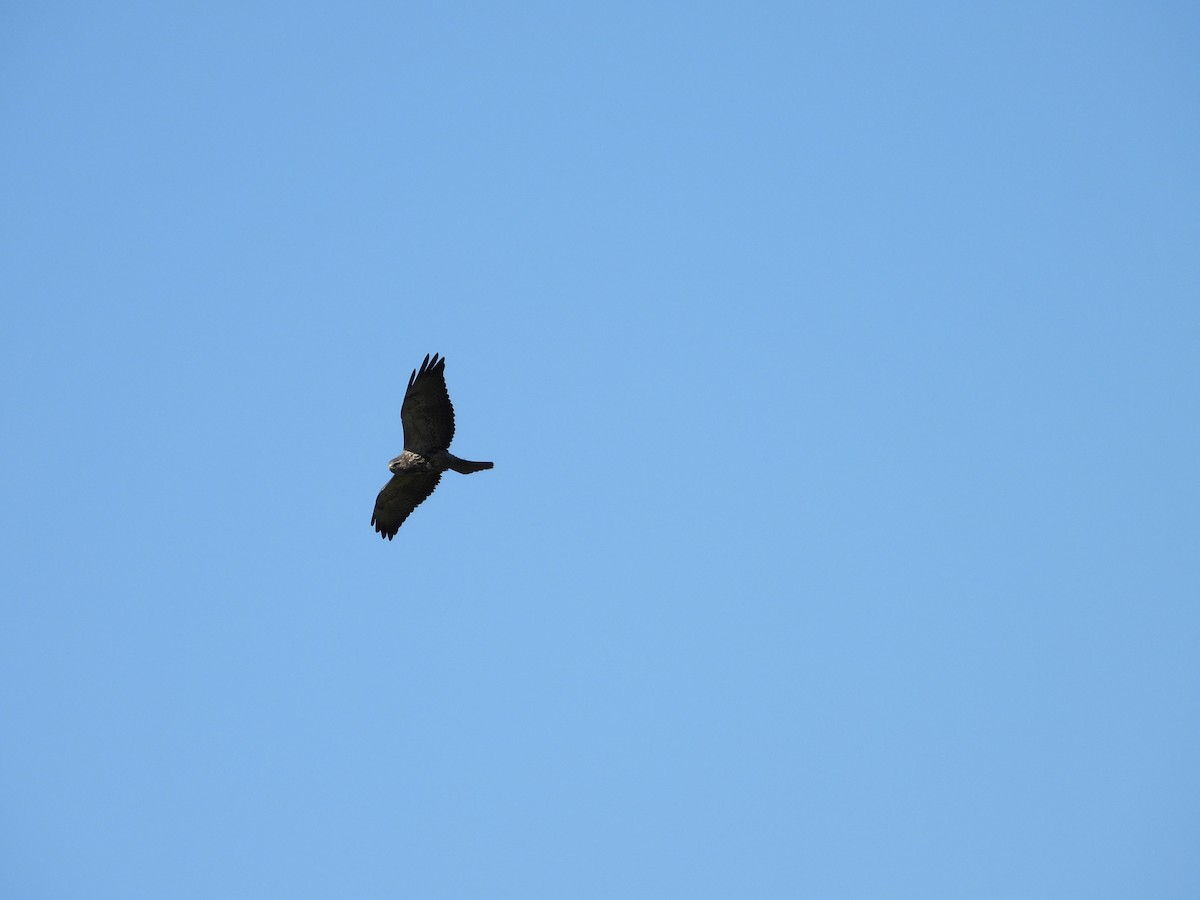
429 365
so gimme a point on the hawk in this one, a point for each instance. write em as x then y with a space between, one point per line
428 420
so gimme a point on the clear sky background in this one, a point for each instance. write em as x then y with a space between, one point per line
840 367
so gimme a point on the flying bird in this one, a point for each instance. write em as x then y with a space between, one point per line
428 420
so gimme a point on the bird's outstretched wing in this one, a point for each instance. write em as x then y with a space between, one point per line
399 497
426 414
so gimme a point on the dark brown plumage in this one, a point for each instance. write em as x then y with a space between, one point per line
428 419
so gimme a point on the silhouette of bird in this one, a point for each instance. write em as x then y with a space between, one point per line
428 419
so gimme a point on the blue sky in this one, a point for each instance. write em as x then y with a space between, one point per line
839 365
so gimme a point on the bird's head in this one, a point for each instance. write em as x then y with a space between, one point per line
394 465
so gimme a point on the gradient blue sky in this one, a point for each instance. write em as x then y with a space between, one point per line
839 364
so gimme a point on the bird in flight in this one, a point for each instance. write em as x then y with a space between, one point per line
428 420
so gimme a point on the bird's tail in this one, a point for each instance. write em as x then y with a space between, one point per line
465 466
